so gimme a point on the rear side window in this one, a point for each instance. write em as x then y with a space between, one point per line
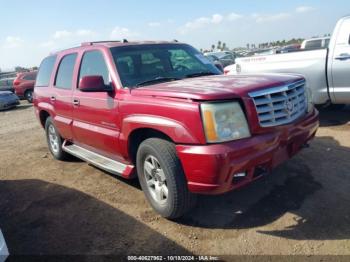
314 44
65 70
93 64
45 71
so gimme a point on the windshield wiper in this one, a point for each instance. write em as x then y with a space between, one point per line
203 73
157 80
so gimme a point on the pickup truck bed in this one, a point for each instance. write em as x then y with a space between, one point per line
326 70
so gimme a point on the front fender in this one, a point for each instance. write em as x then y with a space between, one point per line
172 128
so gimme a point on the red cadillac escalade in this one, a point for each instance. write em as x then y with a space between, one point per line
162 112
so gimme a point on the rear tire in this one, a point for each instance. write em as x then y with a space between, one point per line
162 178
29 96
54 140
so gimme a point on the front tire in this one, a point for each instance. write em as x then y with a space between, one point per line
29 96
54 140
162 178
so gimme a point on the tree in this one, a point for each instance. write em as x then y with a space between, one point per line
212 47
224 46
219 45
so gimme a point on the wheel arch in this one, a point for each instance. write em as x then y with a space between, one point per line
137 128
43 115
137 136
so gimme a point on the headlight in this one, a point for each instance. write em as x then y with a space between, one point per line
224 122
309 99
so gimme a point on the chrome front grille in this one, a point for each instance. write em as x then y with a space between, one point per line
280 105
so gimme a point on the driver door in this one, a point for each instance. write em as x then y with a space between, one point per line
95 114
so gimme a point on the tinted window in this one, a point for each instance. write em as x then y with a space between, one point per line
125 65
64 75
45 71
93 63
143 63
227 57
29 77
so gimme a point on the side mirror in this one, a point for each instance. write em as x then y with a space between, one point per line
93 84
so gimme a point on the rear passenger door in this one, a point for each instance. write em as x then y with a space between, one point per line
95 124
61 95
340 65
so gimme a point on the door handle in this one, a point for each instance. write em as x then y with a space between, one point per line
344 56
76 101
53 98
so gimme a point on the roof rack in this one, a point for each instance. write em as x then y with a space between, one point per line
60 50
101 42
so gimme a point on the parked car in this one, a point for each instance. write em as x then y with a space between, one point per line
11 74
226 58
8 100
216 62
3 248
24 85
316 43
6 84
182 128
288 49
326 70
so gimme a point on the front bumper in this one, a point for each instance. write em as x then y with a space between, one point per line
211 169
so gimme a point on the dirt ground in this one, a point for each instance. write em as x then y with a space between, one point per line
53 207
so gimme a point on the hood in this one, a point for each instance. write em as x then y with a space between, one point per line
215 87
5 93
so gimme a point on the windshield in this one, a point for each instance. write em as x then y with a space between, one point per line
220 55
140 65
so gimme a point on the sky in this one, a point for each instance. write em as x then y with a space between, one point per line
29 31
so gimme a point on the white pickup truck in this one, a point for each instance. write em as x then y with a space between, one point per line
327 71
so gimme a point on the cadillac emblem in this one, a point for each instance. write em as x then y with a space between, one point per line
289 107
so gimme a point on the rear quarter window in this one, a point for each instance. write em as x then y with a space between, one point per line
45 71
313 44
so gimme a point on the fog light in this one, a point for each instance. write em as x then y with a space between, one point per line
240 175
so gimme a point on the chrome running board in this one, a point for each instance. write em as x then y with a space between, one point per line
95 159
